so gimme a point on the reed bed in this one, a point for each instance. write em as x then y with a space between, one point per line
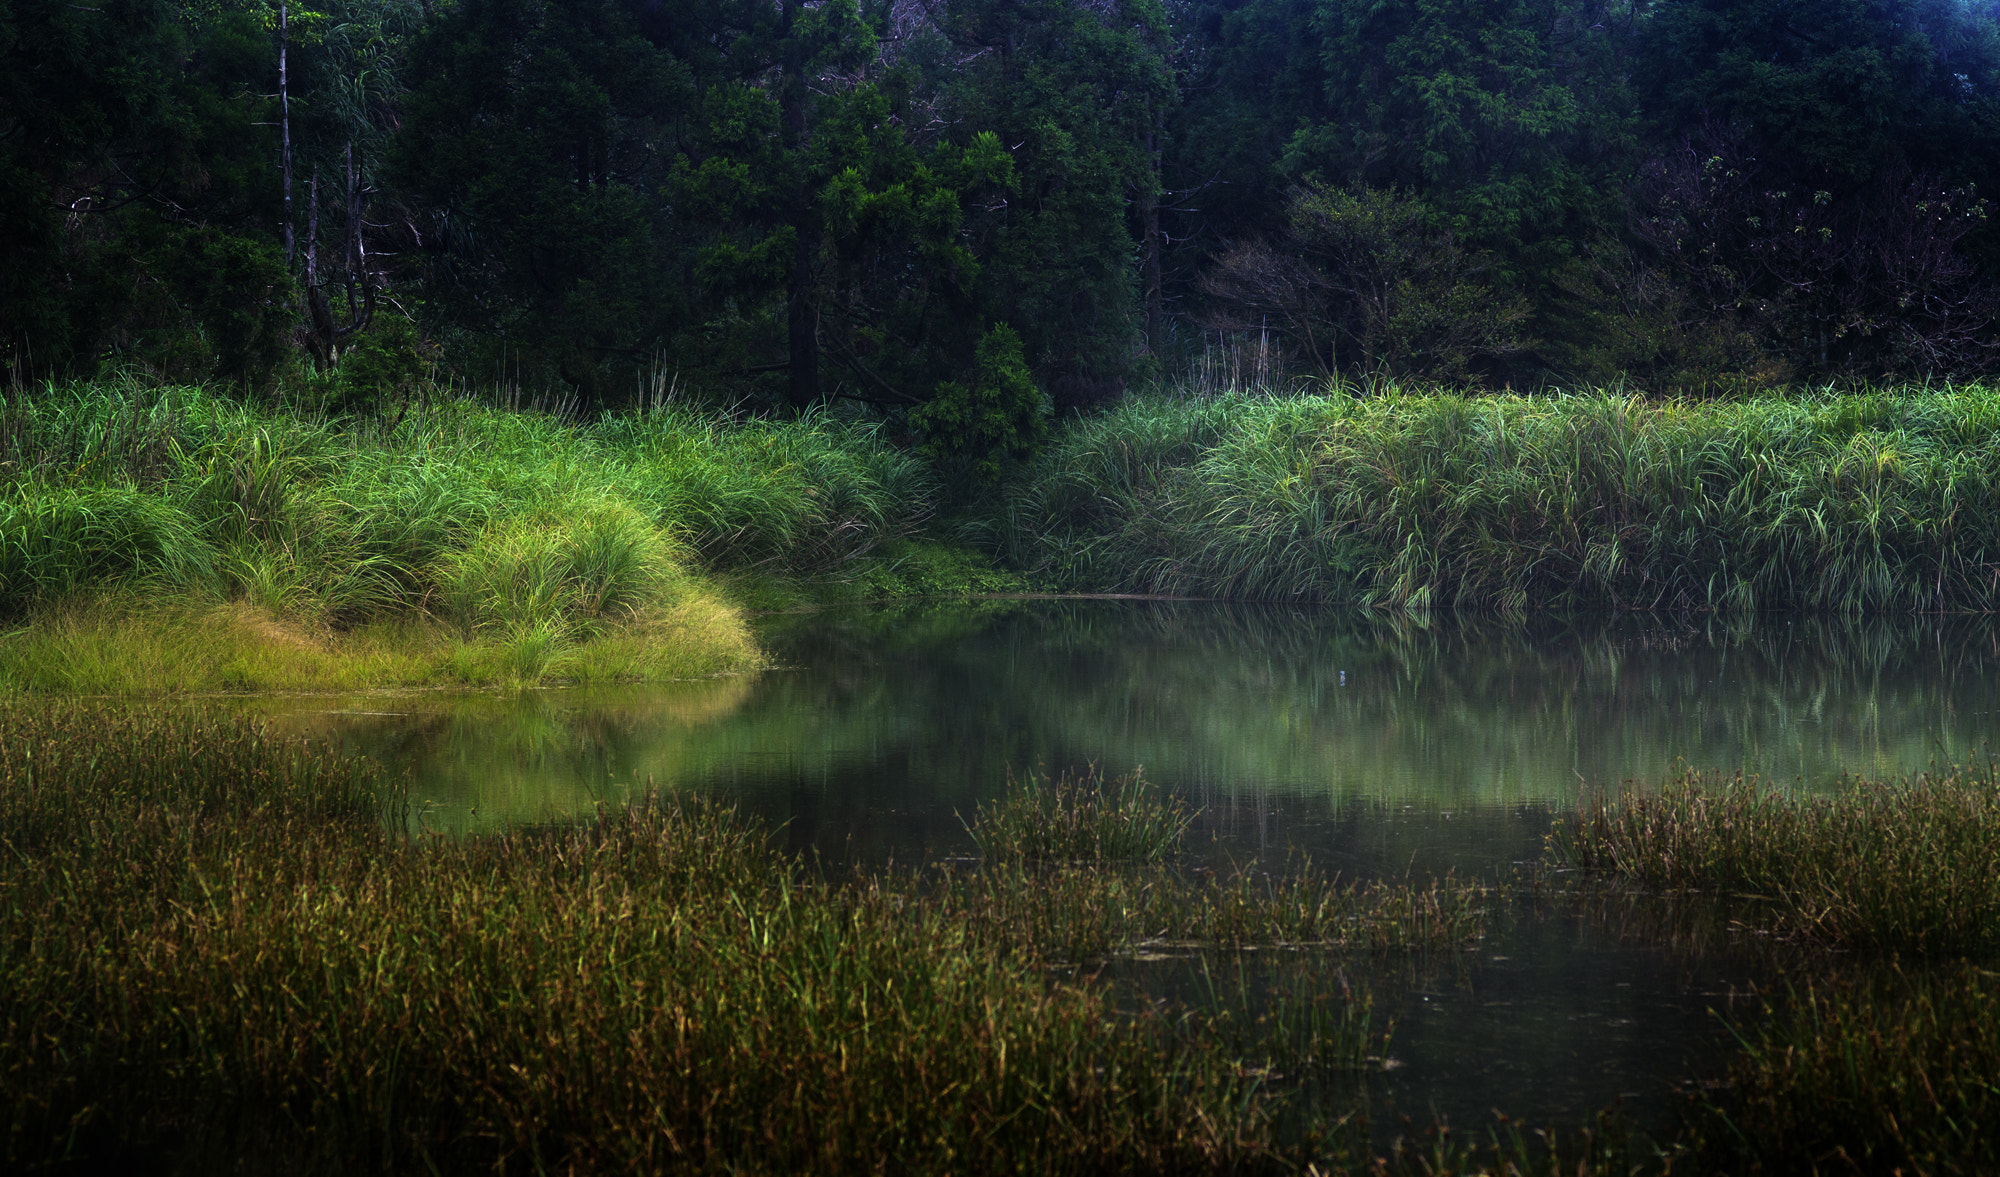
1886 500
1087 914
1042 881
1902 866
217 953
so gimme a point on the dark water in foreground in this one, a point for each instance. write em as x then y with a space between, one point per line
1375 745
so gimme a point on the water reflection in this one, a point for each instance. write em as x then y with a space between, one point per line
1354 734
1376 744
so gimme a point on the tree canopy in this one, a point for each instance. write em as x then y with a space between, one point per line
941 207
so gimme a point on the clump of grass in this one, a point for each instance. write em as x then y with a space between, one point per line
1044 844
1890 1072
115 643
1880 501
1901 866
57 539
215 948
1086 914
1078 818
807 496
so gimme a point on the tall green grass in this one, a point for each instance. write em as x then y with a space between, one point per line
529 536
1877 501
215 953
1903 866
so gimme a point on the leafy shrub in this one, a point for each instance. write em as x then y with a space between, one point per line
997 416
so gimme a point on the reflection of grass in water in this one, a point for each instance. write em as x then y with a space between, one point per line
527 756
223 957
1223 701
1460 708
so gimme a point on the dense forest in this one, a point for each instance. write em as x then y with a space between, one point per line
966 212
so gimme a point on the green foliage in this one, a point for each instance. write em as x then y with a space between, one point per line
548 548
387 364
596 563
54 540
531 126
1511 503
1512 122
1079 97
1866 84
997 416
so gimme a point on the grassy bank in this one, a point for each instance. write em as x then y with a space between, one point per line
1878 501
218 955
170 539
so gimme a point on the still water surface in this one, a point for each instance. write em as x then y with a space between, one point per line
1375 745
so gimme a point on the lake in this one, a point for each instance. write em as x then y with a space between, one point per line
1375 744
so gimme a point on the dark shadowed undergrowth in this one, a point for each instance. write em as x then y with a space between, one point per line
1879 1052
1871 501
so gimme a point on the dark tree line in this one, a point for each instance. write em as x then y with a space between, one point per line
950 208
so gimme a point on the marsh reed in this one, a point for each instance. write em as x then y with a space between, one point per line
1901 866
1079 817
218 953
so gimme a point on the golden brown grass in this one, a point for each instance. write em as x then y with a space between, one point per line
118 644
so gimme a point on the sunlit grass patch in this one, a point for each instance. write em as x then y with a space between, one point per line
118 644
1900 866
555 549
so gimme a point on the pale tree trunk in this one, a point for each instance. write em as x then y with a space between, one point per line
1149 271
